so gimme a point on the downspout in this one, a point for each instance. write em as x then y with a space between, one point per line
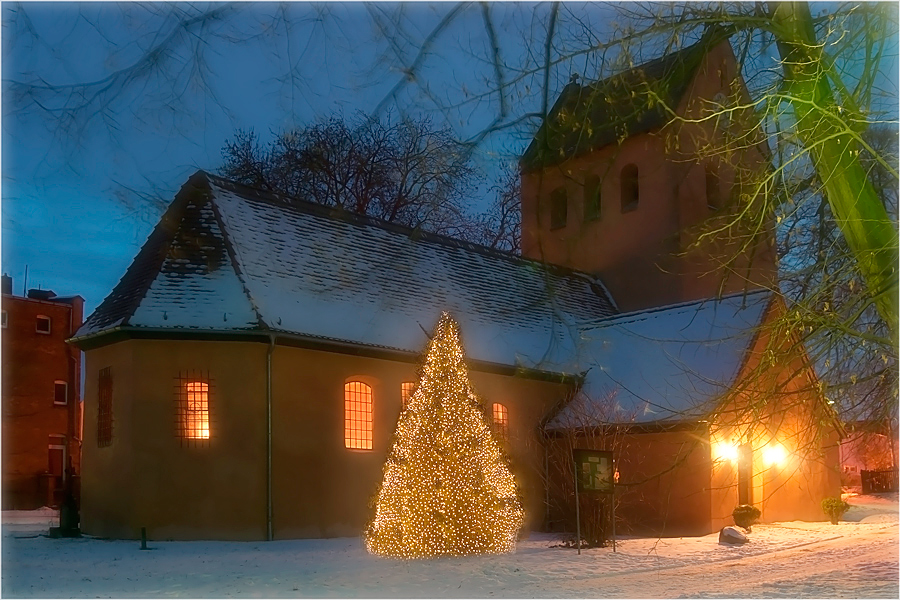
269 350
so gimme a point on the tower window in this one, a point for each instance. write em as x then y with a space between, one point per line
591 198
559 206
629 187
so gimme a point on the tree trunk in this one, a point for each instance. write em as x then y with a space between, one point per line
824 128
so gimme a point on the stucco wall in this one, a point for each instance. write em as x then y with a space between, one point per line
776 401
146 478
664 481
150 478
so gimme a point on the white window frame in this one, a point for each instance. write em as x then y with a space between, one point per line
49 324
66 385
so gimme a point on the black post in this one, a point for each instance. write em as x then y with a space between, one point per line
143 538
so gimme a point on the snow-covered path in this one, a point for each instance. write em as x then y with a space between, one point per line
858 558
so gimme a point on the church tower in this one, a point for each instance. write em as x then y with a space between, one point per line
637 178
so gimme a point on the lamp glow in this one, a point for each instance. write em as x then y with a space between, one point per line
774 454
725 451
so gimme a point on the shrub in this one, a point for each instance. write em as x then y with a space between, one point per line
834 508
745 515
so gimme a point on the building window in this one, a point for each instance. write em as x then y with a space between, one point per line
56 459
104 407
591 198
406 391
60 392
357 415
630 189
42 324
192 406
559 206
500 417
3 319
713 190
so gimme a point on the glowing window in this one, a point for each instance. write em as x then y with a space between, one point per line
501 420
406 391
357 415
104 407
42 324
192 408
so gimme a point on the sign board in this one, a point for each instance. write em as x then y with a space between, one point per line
594 471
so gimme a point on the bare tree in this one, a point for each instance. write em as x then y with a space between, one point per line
407 172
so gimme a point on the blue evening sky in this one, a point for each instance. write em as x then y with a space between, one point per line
72 177
87 170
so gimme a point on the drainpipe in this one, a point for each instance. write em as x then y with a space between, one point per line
271 348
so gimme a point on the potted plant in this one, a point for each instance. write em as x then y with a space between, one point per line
745 515
834 508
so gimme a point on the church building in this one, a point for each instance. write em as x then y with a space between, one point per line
245 376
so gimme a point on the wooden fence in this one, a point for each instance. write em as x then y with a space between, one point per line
874 482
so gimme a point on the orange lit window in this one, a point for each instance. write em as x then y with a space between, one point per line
193 407
406 391
357 415
501 420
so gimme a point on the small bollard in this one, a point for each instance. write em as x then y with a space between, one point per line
143 538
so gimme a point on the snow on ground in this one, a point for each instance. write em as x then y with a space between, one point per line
856 559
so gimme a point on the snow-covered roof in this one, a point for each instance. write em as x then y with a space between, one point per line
228 258
666 364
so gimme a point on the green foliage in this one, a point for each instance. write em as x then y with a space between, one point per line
834 508
745 515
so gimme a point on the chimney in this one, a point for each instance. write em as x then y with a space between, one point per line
7 284
41 294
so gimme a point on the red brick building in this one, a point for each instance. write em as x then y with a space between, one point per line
41 396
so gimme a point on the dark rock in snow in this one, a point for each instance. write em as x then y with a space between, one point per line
730 535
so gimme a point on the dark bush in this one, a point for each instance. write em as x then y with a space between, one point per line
834 508
745 515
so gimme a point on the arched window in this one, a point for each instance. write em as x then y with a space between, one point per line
192 406
357 415
406 391
628 180
500 416
559 208
713 189
591 198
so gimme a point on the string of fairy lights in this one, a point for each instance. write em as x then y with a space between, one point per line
447 487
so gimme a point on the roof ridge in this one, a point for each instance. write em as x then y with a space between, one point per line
415 234
656 310
236 261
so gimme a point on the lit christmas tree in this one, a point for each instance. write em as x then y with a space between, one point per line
447 488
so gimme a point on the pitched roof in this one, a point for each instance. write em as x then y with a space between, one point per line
588 117
668 364
228 258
